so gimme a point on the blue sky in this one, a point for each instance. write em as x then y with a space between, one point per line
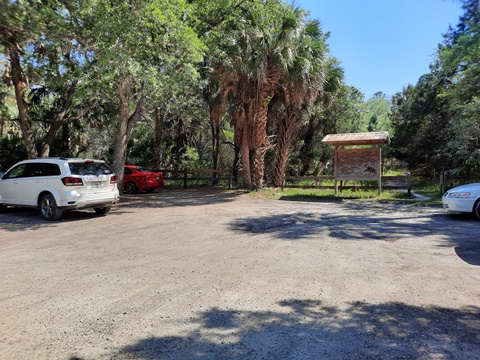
384 45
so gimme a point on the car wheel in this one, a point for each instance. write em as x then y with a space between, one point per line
49 209
476 209
102 210
130 188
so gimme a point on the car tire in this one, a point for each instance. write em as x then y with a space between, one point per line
49 208
102 210
476 209
130 188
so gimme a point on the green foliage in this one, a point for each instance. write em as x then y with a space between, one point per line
459 59
11 151
85 59
376 115
420 121
8 109
429 188
437 122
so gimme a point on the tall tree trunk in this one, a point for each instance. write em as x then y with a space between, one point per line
60 120
121 141
158 161
19 84
49 138
65 147
307 147
260 140
180 148
245 151
235 164
285 135
237 141
124 130
2 125
215 128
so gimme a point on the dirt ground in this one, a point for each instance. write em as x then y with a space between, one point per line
201 274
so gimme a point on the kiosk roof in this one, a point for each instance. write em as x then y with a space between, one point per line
366 138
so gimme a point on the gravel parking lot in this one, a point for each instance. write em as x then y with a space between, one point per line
203 274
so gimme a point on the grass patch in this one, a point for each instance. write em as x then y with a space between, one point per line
329 194
423 187
428 188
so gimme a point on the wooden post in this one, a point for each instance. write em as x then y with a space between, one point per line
443 183
409 184
379 170
335 170
185 178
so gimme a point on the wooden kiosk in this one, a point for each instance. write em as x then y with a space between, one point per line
363 163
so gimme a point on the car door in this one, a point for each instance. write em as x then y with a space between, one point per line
11 184
31 183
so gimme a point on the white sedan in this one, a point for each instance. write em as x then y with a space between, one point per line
463 199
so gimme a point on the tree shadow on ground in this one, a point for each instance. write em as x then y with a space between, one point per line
361 221
19 219
307 329
179 197
300 225
469 253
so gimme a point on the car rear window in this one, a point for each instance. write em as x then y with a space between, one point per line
143 170
89 168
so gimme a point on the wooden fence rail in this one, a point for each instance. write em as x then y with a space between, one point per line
388 182
187 175
215 176
448 181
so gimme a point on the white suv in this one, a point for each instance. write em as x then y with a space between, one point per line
55 185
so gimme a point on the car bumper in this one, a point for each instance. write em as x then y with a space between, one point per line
456 205
75 200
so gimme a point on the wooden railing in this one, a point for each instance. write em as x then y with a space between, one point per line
187 175
398 182
315 181
448 181
388 182
214 176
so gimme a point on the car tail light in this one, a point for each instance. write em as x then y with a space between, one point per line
113 179
72 181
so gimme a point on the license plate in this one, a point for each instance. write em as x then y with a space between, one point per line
96 184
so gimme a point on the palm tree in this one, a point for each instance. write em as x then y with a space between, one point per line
275 53
322 116
302 85
271 49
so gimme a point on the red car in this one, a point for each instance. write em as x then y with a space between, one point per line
137 178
